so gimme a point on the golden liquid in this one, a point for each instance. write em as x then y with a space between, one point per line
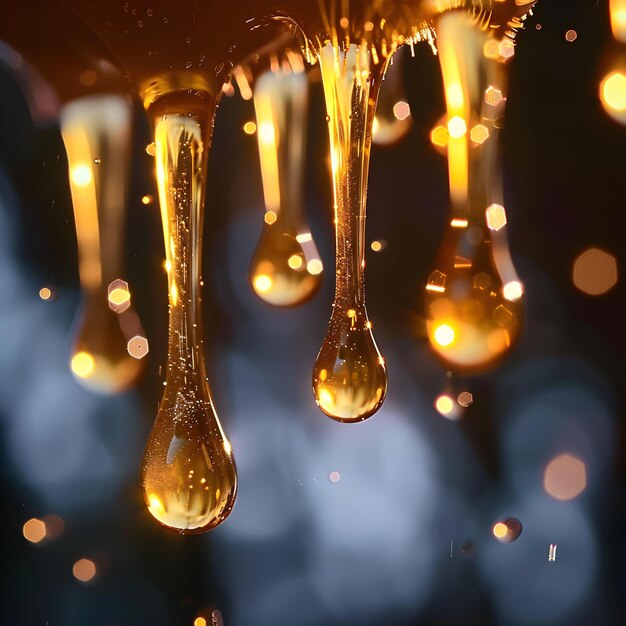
349 377
96 132
474 295
188 473
286 269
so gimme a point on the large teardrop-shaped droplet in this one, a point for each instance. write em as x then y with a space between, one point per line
96 133
474 310
349 377
188 473
286 269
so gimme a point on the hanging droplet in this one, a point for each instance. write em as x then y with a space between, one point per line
473 301
286 269
393 113
91 126
349 377
507 531
188 473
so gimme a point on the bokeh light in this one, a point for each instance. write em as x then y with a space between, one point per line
401 110
34 530
119 295
46 293
444 335
495 216
138 347
479 134
81 175
83 364
457 127
249 128
84 570
595 272
565 477
465 398
613 95
507 531
439 136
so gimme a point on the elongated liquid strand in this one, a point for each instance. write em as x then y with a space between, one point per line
286 269
349 377
188 474
96 131
474 294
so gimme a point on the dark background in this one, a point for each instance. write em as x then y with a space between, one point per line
374 548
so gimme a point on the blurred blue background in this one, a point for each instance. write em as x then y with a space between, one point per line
401 533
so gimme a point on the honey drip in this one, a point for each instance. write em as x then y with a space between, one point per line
474 294
286 269
188 473
349 377
96 133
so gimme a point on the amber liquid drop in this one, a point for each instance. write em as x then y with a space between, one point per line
349 377
286 269
474 310
188 473
96 131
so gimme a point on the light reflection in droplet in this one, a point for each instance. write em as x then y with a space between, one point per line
457 127
83 364
81 175
444 334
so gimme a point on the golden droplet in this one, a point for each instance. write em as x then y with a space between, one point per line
349 376
188 474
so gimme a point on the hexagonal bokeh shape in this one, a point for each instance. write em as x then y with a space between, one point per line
493 96
479 134
138 347
495 216
118 295
465 398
